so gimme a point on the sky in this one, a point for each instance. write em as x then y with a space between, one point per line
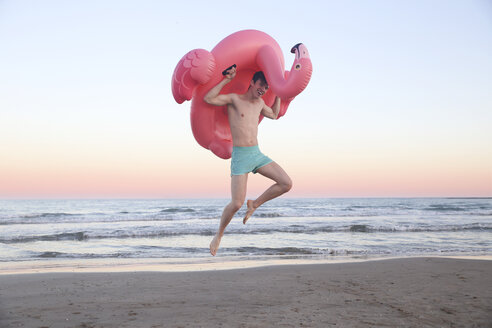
399 103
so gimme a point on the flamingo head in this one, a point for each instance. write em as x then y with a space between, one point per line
302 65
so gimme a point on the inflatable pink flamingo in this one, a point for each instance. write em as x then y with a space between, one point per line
200 70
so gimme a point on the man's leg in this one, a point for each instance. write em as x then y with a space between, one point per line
283 183
238 194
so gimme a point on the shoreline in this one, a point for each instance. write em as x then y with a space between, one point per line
403 292
192 264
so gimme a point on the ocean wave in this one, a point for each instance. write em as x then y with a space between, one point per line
464 212
379 207
178 210
75 236
88 219
269 215
85 256
365 228
155 232
444 208
186 251
360 228
191 252
277 251
116 234
45 215
443 228
50 254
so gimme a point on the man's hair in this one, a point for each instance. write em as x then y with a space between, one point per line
259 76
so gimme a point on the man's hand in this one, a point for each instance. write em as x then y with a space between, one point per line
213 97
230 72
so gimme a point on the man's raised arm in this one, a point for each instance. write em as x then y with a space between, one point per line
272 112
214 98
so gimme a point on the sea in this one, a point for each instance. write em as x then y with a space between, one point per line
38 232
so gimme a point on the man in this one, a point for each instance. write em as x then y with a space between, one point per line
244 111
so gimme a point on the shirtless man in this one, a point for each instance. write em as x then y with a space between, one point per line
244 111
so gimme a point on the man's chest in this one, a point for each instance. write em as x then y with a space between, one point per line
246 111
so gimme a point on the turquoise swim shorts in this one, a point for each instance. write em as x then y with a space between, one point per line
247 159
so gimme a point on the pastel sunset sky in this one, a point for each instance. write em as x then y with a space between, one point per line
399 104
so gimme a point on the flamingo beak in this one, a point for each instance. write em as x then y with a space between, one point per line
295 48
300 50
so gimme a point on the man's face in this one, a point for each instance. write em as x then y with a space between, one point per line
259 88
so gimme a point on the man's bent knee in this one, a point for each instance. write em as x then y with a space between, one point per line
236 205
286 185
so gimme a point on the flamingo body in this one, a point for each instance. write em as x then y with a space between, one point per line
251 50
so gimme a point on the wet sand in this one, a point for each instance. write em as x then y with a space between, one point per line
407 292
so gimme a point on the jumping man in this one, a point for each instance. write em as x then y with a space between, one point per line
244 111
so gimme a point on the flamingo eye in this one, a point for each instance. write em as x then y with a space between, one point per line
298 67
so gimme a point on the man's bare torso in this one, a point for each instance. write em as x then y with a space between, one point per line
243 120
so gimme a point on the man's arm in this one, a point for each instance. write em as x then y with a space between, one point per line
213 98
271 112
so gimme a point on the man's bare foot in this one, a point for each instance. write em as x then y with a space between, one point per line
214 245
250 210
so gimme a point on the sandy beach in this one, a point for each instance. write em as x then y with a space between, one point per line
407 292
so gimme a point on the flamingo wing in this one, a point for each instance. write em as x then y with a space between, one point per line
196 67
